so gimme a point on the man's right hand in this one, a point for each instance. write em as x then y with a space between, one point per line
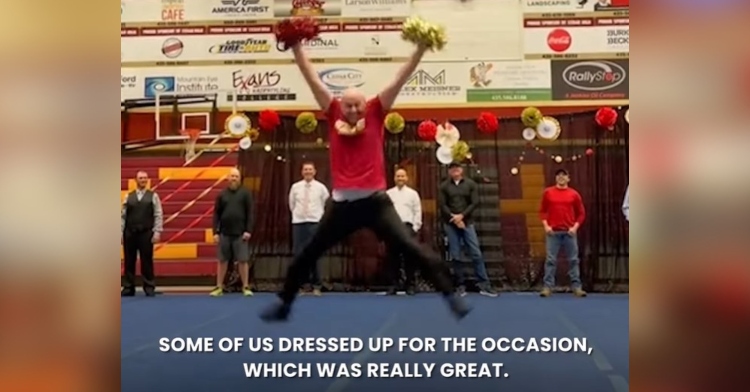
548 229
216 238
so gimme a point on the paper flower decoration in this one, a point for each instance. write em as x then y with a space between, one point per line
460 151
268 120
306 122
529 134
290 32
236 125
531 117
487 123
246 143
444 155
420 32
606 118
394 123
548 129
427 130
447 135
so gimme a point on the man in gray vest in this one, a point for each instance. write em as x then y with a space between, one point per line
142 224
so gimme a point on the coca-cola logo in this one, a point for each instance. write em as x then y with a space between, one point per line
559 40
594 75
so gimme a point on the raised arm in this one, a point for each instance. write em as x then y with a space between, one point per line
321 94
390 92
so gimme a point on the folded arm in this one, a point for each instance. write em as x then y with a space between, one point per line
321 94
389 94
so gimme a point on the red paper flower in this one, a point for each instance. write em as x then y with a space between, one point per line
268 120
606 118
290 32
487 123
427 130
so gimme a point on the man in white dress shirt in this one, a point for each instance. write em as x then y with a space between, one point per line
409 208
626 205
307 199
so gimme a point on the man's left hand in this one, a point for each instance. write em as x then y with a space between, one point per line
457 218
156 238
572 231
246 236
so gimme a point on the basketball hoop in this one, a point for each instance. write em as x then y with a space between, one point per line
191 138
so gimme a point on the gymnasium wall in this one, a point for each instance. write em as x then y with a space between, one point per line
502 54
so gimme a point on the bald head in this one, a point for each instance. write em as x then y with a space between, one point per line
234 178
353 103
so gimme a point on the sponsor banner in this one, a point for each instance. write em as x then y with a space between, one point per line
570 42
338 79
255 43
508 81
590 80
129 85
434 83
321 8
176 12
574 6
376 8
154 85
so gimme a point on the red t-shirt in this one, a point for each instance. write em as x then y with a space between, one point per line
562 208
357 162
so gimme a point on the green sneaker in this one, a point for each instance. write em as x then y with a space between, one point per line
247 292
217 292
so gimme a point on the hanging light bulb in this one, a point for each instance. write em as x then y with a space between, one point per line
267 148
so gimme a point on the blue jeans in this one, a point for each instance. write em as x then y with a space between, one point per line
569 244
467 236
302 233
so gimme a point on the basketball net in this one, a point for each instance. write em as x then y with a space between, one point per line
191 139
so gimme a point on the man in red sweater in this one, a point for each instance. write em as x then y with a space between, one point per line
562 214
355 133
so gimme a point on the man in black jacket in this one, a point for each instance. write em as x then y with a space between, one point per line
233 225
459 198
142 224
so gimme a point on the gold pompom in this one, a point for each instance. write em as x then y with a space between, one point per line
423 33
306 122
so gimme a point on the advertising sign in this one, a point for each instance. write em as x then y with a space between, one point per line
574 6
590 80
596 42
509 81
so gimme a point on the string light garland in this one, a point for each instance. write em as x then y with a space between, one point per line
559 159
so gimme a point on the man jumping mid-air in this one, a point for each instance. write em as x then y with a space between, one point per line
355 128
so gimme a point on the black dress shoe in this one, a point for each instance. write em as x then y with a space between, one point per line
150 292
410 291
277 312
127 293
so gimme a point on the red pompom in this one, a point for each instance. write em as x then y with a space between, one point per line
268 120
589 152
290 32
487 123
427 130
606 118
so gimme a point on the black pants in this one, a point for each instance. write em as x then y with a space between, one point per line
378 214
137 243
302 234
397 260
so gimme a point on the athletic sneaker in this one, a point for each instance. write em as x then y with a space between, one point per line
247 292
461 291
217 292
488 291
